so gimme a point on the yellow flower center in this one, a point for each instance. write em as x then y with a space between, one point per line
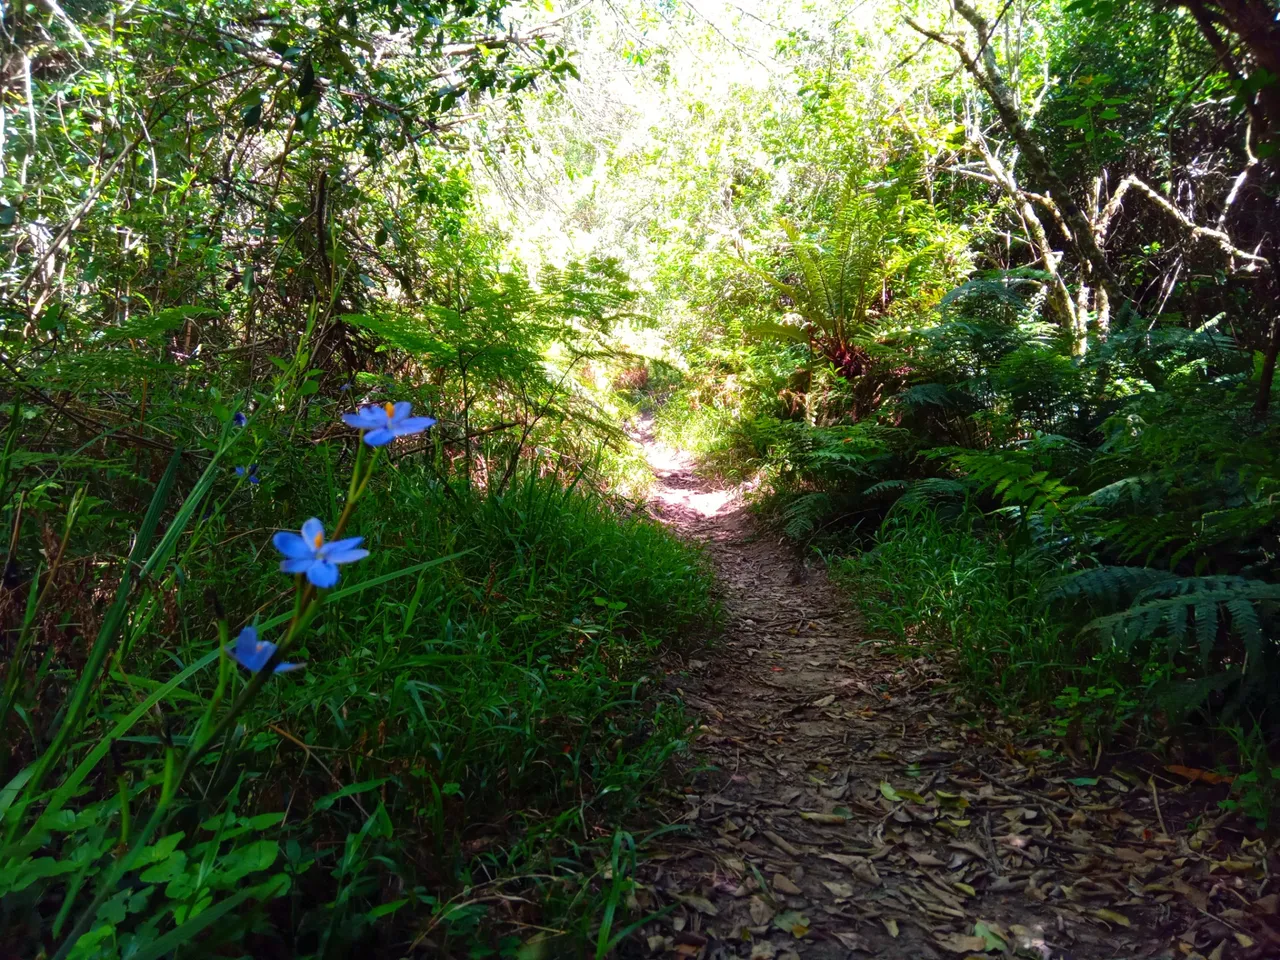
318 540
390 408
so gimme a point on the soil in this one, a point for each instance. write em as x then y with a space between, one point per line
841 801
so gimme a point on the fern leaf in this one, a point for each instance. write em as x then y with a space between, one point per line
1206 629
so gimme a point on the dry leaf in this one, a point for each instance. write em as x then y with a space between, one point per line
1204 776
826 701
838 889
961 943
968 847
853 941
784 845
761 912
701 904
867 873
891 925
925 859
763 950
1111 917
1232 865
844 859
784 885
833 818
1269 904
1196 897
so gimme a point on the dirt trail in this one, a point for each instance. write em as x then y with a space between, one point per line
880 825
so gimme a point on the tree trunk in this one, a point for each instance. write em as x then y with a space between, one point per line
988 76
1262 406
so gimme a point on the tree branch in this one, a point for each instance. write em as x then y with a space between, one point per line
1216 237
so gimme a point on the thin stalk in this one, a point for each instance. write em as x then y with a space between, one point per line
18 660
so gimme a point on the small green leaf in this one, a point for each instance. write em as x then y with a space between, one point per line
792 922
327 801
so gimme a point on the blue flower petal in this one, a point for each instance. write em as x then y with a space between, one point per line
380 437
250 652
412 425
312 531
364 419
401 410
297 565
367 417
292 545
253 654
322 574
346 543
345 556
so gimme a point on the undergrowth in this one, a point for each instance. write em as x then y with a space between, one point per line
478 705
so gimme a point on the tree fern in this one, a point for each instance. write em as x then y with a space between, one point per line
931 491
882 247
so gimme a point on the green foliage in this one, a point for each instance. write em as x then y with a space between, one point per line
930 350
282 227
885 258
938 582
514 669
856 287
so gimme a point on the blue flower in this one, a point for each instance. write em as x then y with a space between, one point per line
308 553
345 387
251 473
239 419
384 423
253 654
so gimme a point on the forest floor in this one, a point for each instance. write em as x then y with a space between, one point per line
839 805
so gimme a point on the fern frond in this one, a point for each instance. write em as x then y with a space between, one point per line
802 514
1195 612
155 324
931 490
926 394
886 486
1111 584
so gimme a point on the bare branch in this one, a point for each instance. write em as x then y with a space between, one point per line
1216 237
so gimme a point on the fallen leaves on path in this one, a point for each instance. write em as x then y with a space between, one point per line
843 807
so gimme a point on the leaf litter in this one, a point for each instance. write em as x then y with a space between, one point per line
840 807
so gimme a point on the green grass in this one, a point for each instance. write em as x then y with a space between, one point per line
468 729
944 585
